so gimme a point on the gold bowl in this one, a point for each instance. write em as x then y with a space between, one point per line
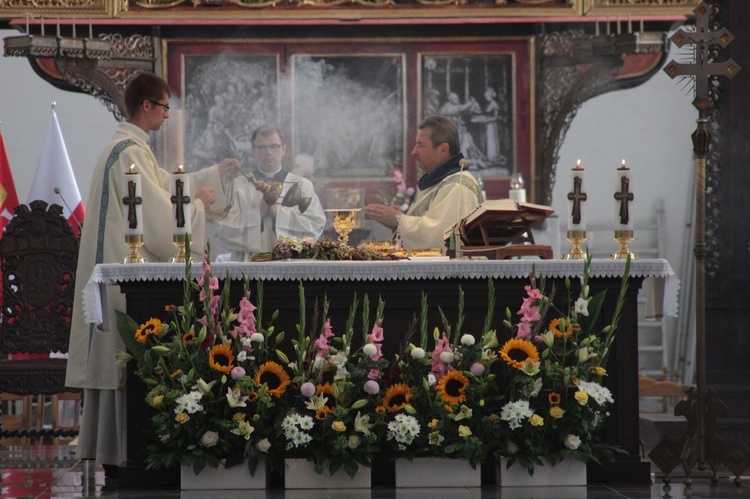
419 252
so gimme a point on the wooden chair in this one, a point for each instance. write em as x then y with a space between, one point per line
58 400
38 255
669 391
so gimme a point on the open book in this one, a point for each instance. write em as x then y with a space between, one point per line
502 221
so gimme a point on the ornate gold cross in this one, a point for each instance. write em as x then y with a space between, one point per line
179 200
703 67
132 200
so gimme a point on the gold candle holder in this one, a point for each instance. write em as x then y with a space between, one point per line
179 240
134 243
576 238
623 238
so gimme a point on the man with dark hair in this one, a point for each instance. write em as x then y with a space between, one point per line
253 225
447 192
91 362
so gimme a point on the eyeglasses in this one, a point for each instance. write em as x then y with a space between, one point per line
269 147
165 106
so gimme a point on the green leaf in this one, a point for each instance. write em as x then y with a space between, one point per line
127 327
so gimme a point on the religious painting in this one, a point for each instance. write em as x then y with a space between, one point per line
348 112
226 97
476 92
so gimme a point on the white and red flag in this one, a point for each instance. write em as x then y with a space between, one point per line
54 181
8 197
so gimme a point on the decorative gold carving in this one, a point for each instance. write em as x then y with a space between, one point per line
159 4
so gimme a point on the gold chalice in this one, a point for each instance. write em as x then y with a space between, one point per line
343 221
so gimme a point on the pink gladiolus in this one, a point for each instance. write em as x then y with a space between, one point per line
438 367
524 331
373 374
377 334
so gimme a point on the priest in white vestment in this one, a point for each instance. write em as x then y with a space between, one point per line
252 225
446 192
92 363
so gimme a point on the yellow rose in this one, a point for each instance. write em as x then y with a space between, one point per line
182 417
238 416
556 412
157 401
433 423
582 397
464 431
536 420
338 426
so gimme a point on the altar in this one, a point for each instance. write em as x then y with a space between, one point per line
401 284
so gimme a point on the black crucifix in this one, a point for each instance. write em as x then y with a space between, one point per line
577 197
701 445
131 200
179 200
624 196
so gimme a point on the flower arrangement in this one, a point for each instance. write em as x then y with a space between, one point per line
214 380
330 416
439 401
404 194
553 403
307 248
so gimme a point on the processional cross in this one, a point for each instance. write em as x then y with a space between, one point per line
180 200
131 200
624 196
577 197
701 445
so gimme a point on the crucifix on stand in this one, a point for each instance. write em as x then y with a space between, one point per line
701 445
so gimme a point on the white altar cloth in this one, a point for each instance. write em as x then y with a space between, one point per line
660 282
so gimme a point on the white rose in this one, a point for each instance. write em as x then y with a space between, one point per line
263 445
353 441
431 379
210 438
467 340
369 349
572 442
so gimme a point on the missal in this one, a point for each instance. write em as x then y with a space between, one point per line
502 221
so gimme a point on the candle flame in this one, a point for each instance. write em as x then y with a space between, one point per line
132 168
623 164
578 165
181 169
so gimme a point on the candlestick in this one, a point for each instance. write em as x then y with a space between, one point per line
133 227
181 199
516 191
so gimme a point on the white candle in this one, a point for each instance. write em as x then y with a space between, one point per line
133 202
576 198
516 191
181 185
623 198
178 141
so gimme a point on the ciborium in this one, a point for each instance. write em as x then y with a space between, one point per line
343 221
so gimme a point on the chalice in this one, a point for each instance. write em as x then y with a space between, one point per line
343 221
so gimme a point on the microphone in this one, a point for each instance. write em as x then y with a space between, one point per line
72 213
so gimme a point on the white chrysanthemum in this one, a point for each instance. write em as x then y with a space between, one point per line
306 423
596 391
257 337
467 340
417 353
369 349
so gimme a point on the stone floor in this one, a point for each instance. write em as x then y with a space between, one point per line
54 472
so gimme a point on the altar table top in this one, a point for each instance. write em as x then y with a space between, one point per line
660 281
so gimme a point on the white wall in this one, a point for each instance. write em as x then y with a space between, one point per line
25 111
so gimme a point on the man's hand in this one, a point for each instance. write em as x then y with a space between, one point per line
206 194
386 215
229 165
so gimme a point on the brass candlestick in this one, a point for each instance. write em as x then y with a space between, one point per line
576 238
179 240
343 222
134 243
623 238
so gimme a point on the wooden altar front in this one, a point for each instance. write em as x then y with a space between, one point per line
149 287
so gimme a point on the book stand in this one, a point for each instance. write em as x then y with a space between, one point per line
500 234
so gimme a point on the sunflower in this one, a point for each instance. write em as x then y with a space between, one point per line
554 398
188 336
518 352
323 413
151 327
221 359
274 377
452 387
326 389
396 397
562 328
169 308
252 396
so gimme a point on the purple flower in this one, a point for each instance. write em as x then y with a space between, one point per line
237 372
372 387
307 389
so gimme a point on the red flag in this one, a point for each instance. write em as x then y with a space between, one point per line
8 197
54 180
